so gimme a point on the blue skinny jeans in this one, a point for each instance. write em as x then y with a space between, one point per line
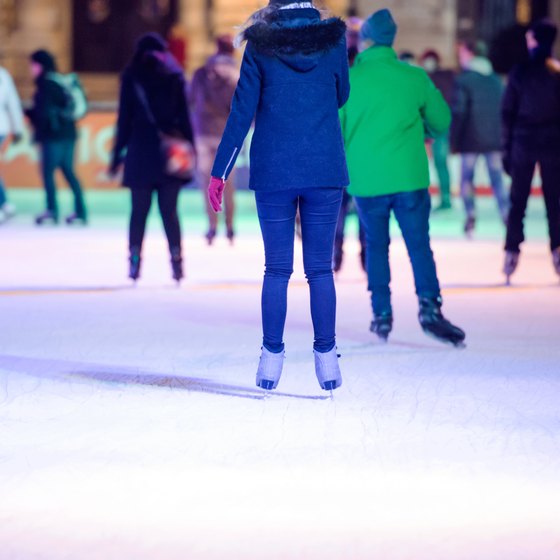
319 209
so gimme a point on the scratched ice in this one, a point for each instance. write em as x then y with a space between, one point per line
130 426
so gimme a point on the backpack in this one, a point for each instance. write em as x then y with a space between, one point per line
75 104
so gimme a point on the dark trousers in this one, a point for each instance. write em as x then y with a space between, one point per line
318 210
412 210
524 161
340 226
59 154
168 196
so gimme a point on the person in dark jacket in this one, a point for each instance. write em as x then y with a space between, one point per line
531 135
476 126
153 87
210 93
55 132
294 78
444 80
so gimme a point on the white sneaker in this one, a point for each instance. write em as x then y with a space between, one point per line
327 369
270 369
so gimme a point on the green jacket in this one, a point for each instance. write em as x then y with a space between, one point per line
392 106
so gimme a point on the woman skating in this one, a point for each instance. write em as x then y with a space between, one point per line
294 78
153 101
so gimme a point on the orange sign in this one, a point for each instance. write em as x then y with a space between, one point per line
19 165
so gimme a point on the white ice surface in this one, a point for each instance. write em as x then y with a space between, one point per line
130 427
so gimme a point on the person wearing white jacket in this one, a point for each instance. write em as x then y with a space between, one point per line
11 124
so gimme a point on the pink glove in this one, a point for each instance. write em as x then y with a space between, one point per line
215 193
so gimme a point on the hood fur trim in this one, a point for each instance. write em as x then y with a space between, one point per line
302 39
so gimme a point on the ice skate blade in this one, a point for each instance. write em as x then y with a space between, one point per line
459 344
329 386
266 384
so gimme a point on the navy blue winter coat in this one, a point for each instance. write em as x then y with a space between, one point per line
137 140
294 78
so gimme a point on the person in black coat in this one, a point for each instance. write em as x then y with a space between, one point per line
531 135
153 88
55 132
475 128
293 80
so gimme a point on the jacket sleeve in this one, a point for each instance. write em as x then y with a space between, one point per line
124 121
435 112
342 76
460 114
510 107
14 106
183 113
243 109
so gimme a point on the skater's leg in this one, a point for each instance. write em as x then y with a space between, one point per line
205 159
468 164
141 202
374 214
3 197
339 233
277 213
229 205
319 210
50 154
412 210
495 172
521 178
550 174
168 197
440 149
67 149
362 237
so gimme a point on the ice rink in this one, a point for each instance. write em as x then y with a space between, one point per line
131 428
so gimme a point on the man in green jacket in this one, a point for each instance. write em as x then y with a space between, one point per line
392 106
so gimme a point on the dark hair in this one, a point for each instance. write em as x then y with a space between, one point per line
431 53
224 44
545 31
476 47
45 59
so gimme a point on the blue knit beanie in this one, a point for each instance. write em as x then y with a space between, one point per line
380 28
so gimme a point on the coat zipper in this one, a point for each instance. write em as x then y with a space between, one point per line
229 163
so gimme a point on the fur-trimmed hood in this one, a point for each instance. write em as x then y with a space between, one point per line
298 37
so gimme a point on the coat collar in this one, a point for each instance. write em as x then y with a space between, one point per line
377 53
298 31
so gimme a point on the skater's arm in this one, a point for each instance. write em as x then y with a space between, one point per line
243 109
436 112
510 107
124 122
460 107
343 76
183 113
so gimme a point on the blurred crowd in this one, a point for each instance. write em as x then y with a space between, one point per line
509 122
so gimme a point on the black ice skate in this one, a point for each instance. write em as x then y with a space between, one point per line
76 219
469 226
210 236
45 217
177 265
510 265
434 324
230 236
556 260
382 325
135 261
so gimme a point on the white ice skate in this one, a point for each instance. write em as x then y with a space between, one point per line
327 369
270 369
